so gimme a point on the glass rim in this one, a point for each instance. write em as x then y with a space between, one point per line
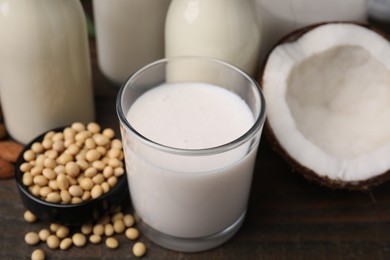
249 134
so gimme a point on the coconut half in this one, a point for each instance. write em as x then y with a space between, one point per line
327 89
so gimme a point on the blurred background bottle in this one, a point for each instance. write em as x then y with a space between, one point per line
280 17
129 35
45 69
222 29
379 10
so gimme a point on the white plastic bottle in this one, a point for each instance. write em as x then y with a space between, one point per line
222 29
45 70
129 35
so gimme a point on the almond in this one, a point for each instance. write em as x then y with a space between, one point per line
6 169
10 150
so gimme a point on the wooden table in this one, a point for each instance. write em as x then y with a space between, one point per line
288 217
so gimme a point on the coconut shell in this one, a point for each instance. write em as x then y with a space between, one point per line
307 173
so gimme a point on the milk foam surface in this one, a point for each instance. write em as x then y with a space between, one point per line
190 115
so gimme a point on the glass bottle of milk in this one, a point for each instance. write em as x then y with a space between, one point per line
129 35
45 70
222 29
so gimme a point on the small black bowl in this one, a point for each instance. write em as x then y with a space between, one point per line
70 214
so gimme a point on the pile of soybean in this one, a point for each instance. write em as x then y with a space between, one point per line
58 236
80 163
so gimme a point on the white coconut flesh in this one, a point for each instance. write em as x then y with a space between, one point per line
328 101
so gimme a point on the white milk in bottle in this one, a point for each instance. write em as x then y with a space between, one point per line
129 35
222 29
45 73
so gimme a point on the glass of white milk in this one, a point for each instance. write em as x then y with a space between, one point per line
190 127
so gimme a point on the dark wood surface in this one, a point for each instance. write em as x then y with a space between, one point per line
288 217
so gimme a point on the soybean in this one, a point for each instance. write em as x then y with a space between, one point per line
53 197
98 229
29 216
54 227
128 219
109 230
112 243
53 242
66 243
96 191
95 239
31 238
62 232
79 239
119 226
132 233
139 249
86 229
38 254
43 234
